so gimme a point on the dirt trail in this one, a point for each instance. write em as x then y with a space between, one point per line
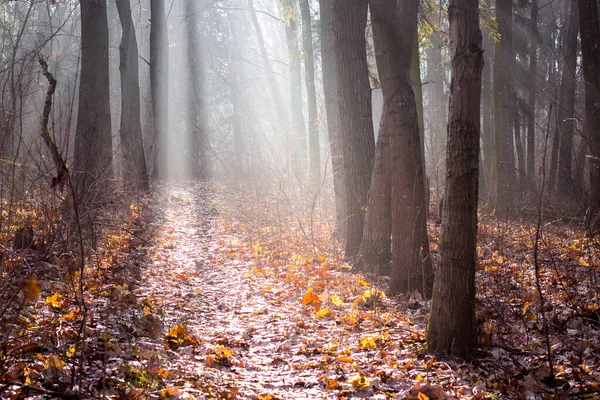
196 283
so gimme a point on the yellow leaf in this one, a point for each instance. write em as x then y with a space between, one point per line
223 352
367 342
585 368
336 301
362 282
265 397
71 351
422 396
361 382
55 301
32 288
311 298
420 378
322 313
54 362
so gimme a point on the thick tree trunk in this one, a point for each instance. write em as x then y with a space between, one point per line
135 173
314 180
197 157
330 90
92 167
504 164
394 40
452 325
159 82
375 248
590 46
566 110
356 126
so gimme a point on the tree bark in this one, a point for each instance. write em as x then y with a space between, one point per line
92 166
159 78
135 173
314 176
197 157
298 128
452 325
590 46
356 126
531 100
566 110
504 163
393 37
330 89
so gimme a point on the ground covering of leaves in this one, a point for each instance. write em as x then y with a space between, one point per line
211 293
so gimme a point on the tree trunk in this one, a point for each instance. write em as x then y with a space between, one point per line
566 110
375 248
531 100
590 43
452 325
520 152
197 157
330 89
159 82
135 174
92 166
298 129
394 39
314 181
437 109
356 126
486 182
503 112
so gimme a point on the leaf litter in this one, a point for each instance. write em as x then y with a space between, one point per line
241 297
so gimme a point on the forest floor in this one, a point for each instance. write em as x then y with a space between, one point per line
202 292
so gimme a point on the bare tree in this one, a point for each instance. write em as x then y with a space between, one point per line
452 325
135 172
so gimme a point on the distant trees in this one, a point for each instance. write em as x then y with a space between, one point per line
92 166
452 326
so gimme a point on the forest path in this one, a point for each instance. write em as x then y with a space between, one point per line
240 344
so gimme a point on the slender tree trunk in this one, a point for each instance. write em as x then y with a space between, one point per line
452 325
274 89
92 167
522 174
503 112
135 173
531 100
330 89
437 109
356 126
486 182
417 85
298 129
313 119
590 43
566 111
198 138
159 82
